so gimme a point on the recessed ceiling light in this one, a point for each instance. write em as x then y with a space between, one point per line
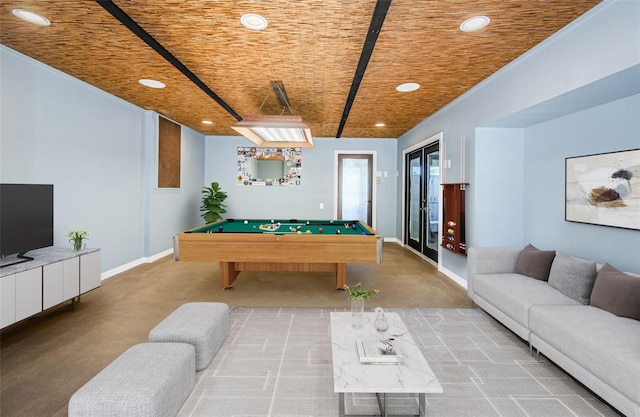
407 87
254 21
379 124
31 17
152 83
207 122
474 24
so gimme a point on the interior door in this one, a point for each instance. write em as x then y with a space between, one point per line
423 200
355 187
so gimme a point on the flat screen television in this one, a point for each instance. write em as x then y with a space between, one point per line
26 220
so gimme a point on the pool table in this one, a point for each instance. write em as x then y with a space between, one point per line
280 245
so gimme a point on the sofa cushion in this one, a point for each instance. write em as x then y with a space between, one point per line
514 294
535 263
604 344
617 293
573 277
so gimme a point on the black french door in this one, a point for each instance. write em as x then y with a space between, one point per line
423 200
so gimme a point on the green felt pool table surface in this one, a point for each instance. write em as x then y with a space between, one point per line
289 226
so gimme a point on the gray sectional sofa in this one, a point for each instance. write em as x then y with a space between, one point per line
583 316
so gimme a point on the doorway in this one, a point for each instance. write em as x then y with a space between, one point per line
355 187
422 200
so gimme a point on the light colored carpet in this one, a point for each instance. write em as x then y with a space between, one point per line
276 362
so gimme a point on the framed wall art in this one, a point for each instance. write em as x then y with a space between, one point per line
269 166
604 189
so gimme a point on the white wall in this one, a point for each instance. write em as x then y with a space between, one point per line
317 182
99 153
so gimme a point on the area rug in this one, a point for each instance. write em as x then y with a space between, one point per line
276 362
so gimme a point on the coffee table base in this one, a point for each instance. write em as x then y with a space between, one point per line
382 404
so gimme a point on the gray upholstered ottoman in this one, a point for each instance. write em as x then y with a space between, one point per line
204 325
147 380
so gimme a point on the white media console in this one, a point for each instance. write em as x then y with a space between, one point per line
55 275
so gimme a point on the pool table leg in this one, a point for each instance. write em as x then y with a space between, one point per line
228 274
341 276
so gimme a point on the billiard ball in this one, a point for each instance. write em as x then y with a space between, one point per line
346 225
331 221
320 230
246 222
337 232
272 220
307 222
299 232
364 233
308 232
299 227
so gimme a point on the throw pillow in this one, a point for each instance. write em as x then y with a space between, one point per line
573 277
535 263
617 292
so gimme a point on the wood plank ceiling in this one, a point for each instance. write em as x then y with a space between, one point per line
312 46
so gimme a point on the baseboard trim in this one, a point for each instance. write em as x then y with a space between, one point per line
133 264
454 277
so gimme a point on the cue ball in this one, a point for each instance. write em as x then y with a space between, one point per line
321 230
337 232
246 222
307 222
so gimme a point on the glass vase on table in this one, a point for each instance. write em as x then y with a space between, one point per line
357 310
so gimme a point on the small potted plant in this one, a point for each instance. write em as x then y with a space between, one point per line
76 237
358 296
213 203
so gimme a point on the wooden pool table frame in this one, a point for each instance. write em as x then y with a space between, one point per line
238 252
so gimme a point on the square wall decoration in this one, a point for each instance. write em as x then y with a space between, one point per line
604 189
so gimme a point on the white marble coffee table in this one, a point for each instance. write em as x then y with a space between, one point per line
414 375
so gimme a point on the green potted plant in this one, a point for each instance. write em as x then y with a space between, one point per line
213 203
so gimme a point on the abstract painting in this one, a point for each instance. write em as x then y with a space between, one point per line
604 189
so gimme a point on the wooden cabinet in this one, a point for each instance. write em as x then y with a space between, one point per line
453 215
54 276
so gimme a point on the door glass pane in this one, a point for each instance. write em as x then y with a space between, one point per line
433 194
414 198
355 189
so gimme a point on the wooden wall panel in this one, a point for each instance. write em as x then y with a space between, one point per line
168 154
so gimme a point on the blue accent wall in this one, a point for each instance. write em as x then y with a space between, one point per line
610 127
317 184
574 94
99 152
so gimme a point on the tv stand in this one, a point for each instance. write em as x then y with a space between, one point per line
52 277
18 259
